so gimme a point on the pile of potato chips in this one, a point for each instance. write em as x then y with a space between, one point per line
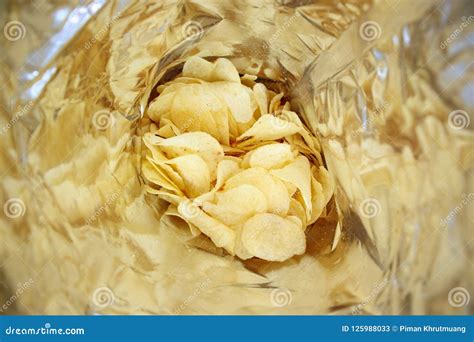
234 162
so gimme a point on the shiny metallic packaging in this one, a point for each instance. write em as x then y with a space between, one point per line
385 86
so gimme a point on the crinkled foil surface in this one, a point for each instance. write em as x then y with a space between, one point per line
386 85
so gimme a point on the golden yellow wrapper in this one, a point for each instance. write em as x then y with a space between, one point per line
84 230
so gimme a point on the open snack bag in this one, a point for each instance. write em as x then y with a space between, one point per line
238 157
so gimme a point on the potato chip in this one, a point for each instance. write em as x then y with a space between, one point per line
271 156
275 191
240 249
318 200
198 67
154 175
323 177
275 102
298 210
269 127
298 173
168 172
194 107
236 205
194 172
237 98
225 170
260 93
200 143
257 179
164 194
224 70
273 238
221 235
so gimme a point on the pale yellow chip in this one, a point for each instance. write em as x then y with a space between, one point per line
198 67
275 102
298 173
260 93
224 70
318 200
154 175
220 234
236 205
269 127
240 249
199 143
323 177
297 209
271 156
275 191
193 107
194 172
274 238
237 99
225 170
168 172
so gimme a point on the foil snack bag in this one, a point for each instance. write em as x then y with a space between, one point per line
380 90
